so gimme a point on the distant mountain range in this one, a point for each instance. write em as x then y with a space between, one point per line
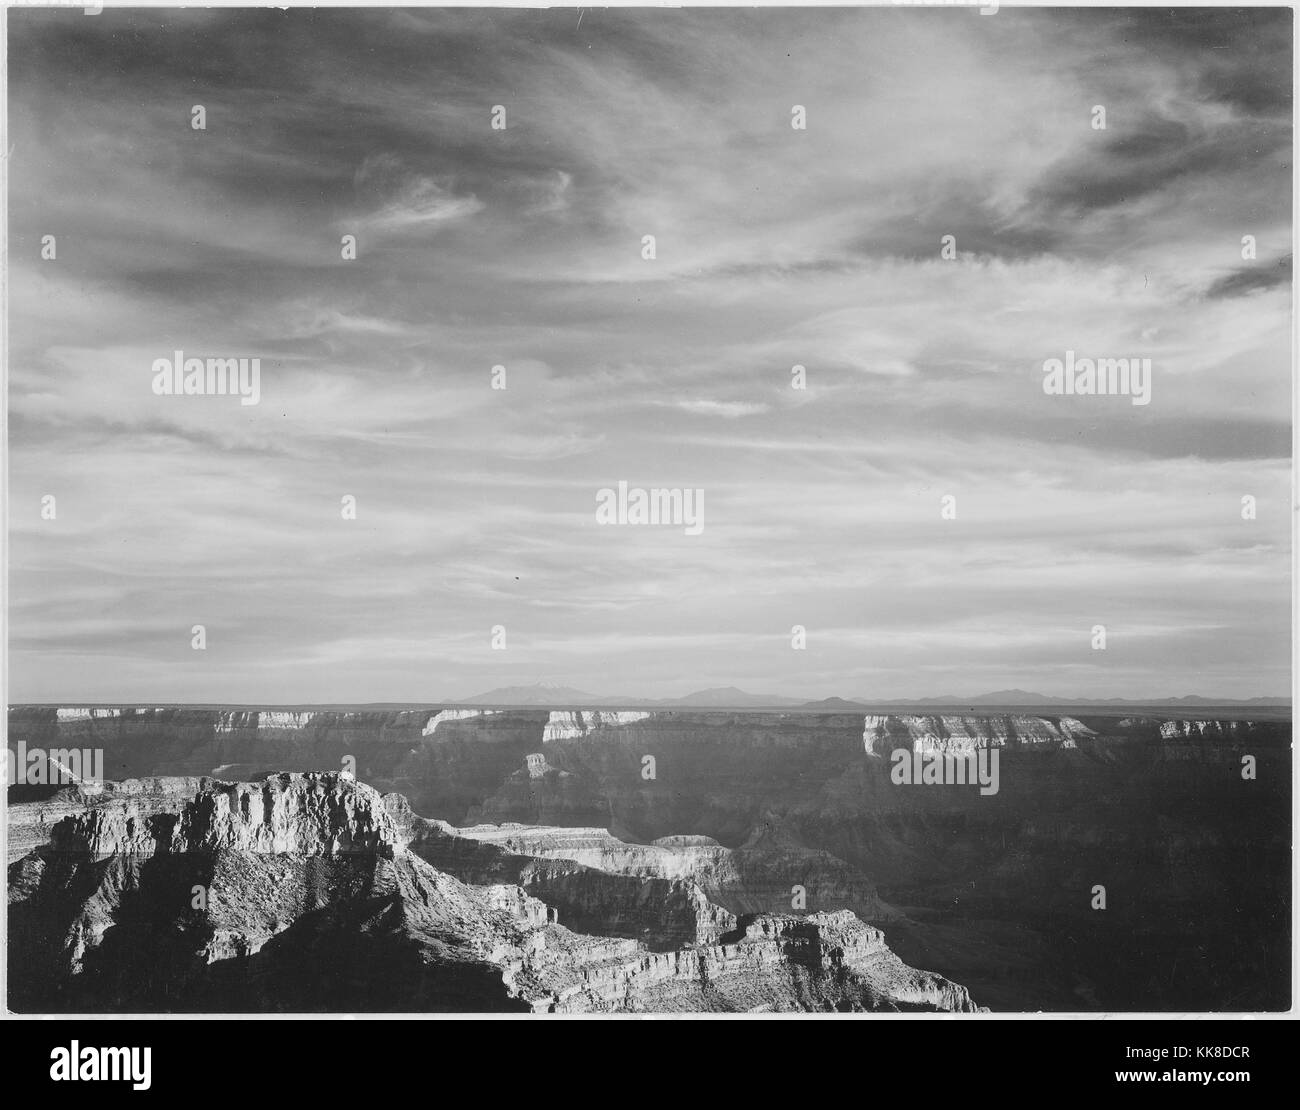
1028 697
545 693
729 697
541 693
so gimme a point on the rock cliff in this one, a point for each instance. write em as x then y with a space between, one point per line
308 814
883 735
566 725
444 715
311 891
992 892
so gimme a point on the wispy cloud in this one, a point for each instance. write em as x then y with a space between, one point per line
407 202
500 348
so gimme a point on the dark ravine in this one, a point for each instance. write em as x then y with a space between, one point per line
312 892
993 892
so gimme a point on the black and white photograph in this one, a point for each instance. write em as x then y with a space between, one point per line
639 511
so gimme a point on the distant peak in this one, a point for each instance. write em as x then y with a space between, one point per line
539 693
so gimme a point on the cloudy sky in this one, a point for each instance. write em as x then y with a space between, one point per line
522 248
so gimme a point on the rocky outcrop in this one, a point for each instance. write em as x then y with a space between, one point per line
662 911
445 715
580 723
299 893
769 873
300 814
261 722
35 813
1205 730
838 963
960 735
79 714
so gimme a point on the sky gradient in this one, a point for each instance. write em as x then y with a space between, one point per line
522 248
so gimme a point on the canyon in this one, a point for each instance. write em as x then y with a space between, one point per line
312 892
755 825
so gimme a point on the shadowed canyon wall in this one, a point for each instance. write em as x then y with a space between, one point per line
798 813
